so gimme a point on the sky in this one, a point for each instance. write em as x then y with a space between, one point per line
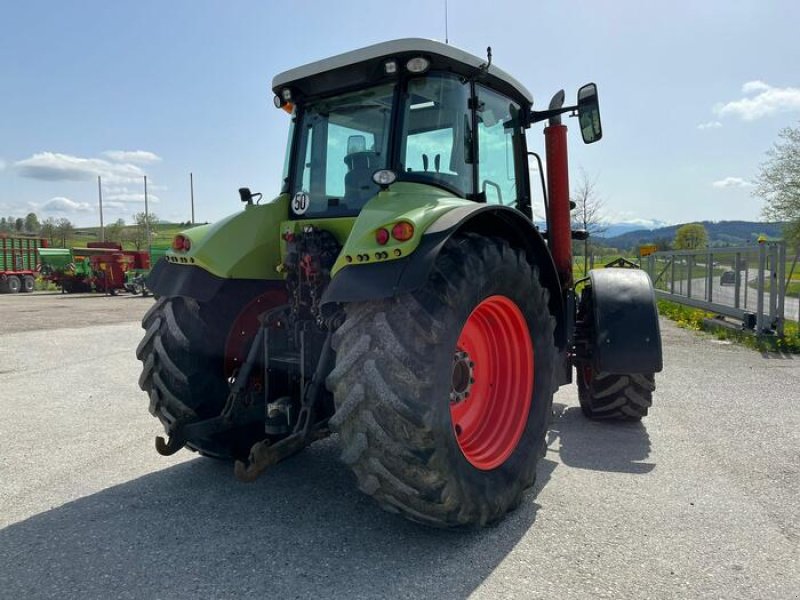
692 95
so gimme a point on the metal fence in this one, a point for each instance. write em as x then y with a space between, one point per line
747 283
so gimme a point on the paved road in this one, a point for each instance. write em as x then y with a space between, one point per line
702 500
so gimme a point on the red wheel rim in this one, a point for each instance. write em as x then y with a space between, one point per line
492 382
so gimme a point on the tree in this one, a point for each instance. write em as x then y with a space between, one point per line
115 230
19 224
64 230
48 229
32 223
588 213
691 236
778 182
4 226
138 235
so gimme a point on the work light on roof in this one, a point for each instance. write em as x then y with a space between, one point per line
390 67
286 94
418 64
277 101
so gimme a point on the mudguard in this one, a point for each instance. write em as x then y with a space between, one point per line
626 336
359 283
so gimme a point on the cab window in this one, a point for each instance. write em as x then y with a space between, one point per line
498 120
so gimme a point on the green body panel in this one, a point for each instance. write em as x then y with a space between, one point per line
250 244
245 245
417 203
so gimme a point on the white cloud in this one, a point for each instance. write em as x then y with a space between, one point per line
59 204
761 100
709 125
140 157
53 166
2 164
732 182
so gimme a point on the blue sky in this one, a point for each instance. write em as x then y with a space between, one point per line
692 95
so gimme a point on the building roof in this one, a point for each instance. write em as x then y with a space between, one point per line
397 48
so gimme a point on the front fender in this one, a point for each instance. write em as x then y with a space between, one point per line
626 337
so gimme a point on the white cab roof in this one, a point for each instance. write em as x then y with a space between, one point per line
396 47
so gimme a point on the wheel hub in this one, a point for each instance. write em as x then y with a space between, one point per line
463 376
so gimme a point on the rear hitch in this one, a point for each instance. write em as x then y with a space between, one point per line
168 448
265 454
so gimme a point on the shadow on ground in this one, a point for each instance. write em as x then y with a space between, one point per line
302 530
614 446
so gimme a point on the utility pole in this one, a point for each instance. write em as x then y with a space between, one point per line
191 192
146 215
100 197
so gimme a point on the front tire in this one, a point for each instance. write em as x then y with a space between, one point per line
608 396
402 387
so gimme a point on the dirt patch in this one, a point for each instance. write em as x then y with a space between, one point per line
53 310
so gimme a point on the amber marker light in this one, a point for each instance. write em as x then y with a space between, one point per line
403 231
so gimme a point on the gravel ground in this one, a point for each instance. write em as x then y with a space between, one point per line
701 500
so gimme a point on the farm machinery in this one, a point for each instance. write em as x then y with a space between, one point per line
100 267
18 261
397 292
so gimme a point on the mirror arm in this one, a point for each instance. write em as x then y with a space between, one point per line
541 115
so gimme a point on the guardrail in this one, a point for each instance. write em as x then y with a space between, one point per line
747 283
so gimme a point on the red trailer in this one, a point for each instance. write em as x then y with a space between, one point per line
18 261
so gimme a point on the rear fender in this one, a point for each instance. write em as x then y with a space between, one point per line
364 282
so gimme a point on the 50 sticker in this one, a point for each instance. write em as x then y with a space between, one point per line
300 203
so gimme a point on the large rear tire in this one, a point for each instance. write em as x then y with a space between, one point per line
28 284
182 355
442 396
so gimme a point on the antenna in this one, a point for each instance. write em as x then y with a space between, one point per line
446 40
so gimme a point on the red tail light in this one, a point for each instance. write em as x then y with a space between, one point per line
382 236
181 243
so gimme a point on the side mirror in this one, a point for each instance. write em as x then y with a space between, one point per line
589 114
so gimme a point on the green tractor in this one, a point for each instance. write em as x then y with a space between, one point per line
398 293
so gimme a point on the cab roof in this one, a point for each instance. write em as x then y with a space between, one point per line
354 68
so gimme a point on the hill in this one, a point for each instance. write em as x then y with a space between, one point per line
720 233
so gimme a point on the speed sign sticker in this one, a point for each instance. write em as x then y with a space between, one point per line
300 203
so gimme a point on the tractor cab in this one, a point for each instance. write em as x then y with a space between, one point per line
404 111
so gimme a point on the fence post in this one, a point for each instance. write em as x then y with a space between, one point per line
773 284
781 285
710 277
689 263
762 263
737 278
672 276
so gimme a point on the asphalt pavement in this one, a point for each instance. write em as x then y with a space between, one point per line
700 500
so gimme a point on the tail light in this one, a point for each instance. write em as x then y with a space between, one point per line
382 236
403 231
181 243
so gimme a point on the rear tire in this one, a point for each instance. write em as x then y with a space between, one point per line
182 356
28 284
621 397
394 382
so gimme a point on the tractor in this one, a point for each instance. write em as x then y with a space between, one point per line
398 293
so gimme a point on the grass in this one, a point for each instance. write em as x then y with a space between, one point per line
695 319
